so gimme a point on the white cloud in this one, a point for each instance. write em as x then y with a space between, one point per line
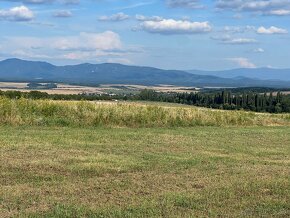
28 54
170 26
140 17
37 1
255 7
80 55
83 46
192 4
66 2
114 17
238 29
259 50
281 12
19 14
89 41
241 41
119 60
243 62
226 39
261 6
271 30
62 14
260 30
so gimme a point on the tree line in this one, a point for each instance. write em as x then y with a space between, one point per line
266 102
67 97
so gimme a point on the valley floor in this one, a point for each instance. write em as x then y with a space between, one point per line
145 172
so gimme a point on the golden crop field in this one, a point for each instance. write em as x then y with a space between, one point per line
101 89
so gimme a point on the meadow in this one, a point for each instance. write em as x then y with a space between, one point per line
89 159
122 114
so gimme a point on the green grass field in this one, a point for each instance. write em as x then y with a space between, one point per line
23 112
92 159
144 172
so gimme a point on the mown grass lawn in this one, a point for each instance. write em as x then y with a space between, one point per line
145 172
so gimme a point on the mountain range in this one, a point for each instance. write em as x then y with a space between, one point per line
17 70
254 73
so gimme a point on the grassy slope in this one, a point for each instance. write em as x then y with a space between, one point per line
123 172
88 114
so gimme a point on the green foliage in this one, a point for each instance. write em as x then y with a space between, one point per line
68 97
225 100
242 90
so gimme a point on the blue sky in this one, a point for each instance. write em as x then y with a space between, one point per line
170 34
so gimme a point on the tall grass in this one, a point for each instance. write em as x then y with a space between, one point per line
64 113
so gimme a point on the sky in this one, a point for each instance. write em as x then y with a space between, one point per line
168 34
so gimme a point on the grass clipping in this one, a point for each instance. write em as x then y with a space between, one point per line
89 114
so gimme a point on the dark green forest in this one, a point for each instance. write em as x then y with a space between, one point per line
226 100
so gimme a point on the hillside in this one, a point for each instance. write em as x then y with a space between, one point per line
110 114
83 159
94 74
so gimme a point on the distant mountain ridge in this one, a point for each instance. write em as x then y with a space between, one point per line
254 73
107 73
